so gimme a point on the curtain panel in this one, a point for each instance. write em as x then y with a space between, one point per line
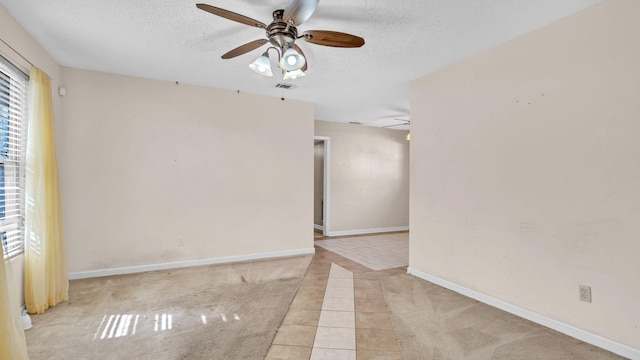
46 279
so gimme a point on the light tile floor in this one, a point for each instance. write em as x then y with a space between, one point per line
338 313
377 252
336 333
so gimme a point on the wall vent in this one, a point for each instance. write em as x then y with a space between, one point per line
285 86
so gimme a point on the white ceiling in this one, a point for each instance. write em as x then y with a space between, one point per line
175 41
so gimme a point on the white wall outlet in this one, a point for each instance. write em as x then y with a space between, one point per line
584 293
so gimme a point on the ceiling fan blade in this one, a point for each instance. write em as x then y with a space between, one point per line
231 15
306 63
299 11
405 124
242 49
332 38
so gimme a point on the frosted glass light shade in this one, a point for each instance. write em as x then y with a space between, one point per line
292 60
290 75
262 65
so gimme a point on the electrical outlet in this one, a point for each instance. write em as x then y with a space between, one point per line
584 292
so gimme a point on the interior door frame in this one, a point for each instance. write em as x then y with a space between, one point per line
325 182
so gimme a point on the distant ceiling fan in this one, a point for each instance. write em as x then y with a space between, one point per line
404 122
282 34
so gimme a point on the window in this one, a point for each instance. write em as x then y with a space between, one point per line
13 139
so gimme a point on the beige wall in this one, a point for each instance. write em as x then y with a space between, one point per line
159 172
369 177
21 49
526 171
145 164
318 181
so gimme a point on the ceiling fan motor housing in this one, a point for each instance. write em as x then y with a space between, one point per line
279 32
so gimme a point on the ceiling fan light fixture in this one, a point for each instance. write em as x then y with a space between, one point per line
292 60
262 65
290 75
282 33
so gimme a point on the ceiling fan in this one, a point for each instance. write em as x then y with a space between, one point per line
282 33
404 122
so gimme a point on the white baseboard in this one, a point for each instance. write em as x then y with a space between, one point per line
186 263
593 339
367 231
318 227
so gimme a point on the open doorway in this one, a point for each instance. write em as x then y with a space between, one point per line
321 170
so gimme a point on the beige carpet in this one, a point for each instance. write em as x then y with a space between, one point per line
212 312
431 322
233 312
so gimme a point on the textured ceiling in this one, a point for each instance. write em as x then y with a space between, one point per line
173 40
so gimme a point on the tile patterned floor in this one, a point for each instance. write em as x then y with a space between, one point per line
338 313
336 331
377 252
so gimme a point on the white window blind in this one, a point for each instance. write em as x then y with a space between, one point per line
13 140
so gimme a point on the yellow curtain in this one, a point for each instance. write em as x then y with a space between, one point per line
45 273
12 341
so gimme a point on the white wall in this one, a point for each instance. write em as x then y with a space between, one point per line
526 171
21 50
157 172
369 177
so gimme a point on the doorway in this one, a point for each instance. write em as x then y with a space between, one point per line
321 169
